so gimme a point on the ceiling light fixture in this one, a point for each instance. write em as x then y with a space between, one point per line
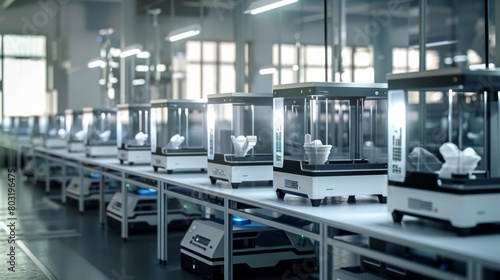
141 68
143 54
267 71
435 44
138 82
267 5
161 67
115 52
184 32
96 62
131 50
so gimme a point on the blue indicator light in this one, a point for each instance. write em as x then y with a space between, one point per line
146 191
239 221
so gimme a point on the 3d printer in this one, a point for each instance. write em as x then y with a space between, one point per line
29 129
239 137
133 129
178 132
37 127
7 125
444 146
75 132
330 140
20 129
55 134
99 125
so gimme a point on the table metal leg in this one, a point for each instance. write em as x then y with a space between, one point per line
162 222
35 169
124 209
323 260
63 183
102 200
228 242
47 177
81 201
13 157
19 153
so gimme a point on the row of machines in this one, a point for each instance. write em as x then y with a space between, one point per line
166 134
31 131
426 143
123 133
24 129
317 140
49 131
437 136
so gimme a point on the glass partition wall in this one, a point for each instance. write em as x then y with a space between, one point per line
311 41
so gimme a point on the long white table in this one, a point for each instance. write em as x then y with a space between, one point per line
335 226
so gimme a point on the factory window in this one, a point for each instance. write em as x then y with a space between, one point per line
286 63
298 63
24 75
210 68
312 64
306 63
357 65
363 65
407 60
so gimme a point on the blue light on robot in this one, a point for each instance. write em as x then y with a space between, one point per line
239 221
146 191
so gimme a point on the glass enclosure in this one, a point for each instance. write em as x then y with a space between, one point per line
56 127
32 126
443 123
99 126
178 126
134 126
38 125
74 125
326 125
7 124
240 127
21 126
